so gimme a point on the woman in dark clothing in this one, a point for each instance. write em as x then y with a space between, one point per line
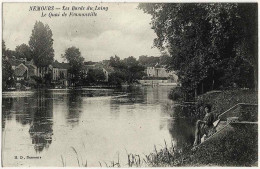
204 126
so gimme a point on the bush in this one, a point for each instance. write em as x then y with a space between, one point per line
176 94
223 100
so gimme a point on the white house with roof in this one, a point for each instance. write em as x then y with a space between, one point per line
160 72
60 72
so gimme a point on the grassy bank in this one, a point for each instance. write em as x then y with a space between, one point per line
223 100
237 145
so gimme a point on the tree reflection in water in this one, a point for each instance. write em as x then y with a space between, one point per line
74 102
182 126
41 126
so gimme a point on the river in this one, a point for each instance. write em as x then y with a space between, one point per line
67 127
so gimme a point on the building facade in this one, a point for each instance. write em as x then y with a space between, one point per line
161 72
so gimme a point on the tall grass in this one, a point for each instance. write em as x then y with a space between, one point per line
82 164
167 156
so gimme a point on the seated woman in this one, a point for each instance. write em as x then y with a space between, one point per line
204 126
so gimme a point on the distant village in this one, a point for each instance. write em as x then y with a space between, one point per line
26 72
34 65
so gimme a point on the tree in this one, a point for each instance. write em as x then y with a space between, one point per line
95 76
7 53
7 72
247 46
128 70
76 63
3 48
148 61
41 45
134 70
23 51
203 38
116 78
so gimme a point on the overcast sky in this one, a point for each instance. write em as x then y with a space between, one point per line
123 30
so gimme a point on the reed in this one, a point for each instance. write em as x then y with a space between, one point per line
63 161
166 156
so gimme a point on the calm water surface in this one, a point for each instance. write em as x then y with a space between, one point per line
101 125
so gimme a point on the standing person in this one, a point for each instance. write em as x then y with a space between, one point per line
204 126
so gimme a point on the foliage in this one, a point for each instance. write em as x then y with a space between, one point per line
176 94
95 76
23 51
7 72
41 45
203 39
7 53
148 61
116 78
3 48
128 70
134 69
76 63
145 60
47 79
37 79
235 145
223 100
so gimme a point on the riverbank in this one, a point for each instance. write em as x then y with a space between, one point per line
235 145
221 101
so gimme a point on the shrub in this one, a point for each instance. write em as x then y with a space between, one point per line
176 94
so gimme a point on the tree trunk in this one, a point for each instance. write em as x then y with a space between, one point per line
196 94
202 88
213 81
256 77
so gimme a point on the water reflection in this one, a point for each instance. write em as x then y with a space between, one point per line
41 120
74 103
182 131
35 111
41 133
104 121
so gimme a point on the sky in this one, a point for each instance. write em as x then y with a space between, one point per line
122 30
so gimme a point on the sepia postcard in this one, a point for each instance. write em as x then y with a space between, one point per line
129 84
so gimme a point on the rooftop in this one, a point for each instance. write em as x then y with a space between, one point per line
59 65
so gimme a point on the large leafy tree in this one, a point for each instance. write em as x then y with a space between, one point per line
134 69
95 76
23 51
128 70
203 39
41 45
76 63
7 72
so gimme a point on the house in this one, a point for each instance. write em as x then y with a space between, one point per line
21 72
107 70
59 72
160 71
32 69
